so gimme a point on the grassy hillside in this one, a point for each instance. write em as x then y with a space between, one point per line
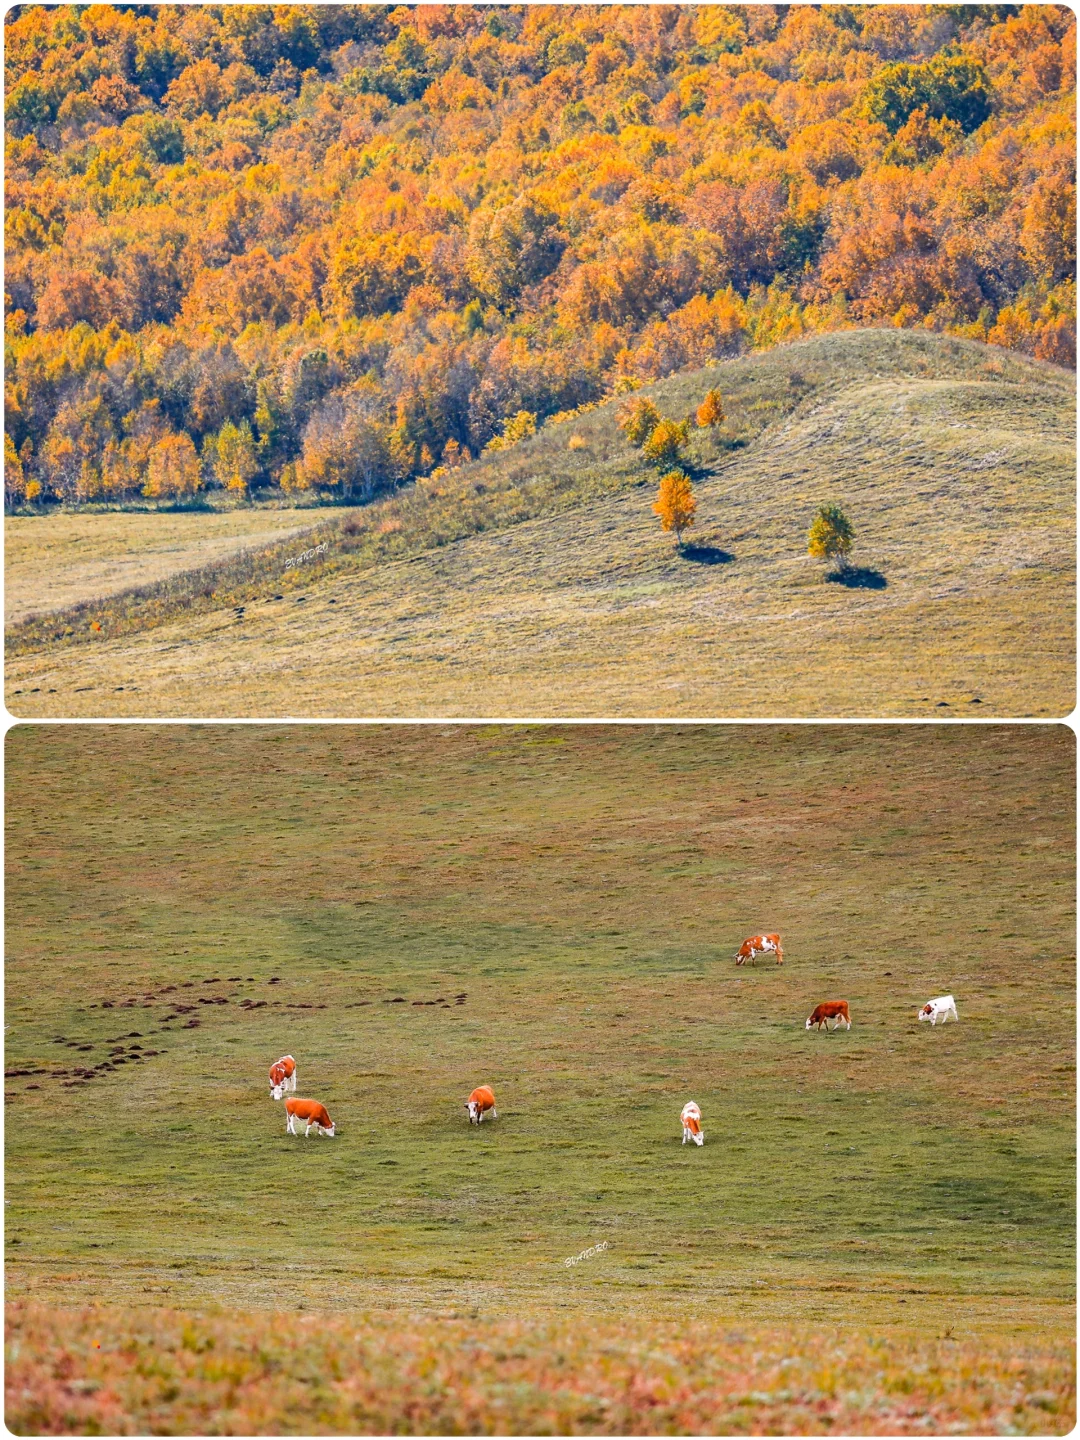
554 912
537 581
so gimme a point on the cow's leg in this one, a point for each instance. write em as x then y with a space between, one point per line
289 1125
494 1113
307 1132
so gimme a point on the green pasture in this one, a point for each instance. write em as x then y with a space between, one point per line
554 911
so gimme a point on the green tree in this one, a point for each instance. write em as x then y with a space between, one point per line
14 477
638 420
831 535
947 87
664 446
232 455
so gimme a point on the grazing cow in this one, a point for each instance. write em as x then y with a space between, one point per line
479 1103
836 1010
691 1124
760 945
282 1076
939 1009
312 1112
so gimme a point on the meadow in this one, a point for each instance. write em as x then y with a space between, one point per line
59 559
536 581
878 1234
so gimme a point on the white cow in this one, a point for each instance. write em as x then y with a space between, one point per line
939 1009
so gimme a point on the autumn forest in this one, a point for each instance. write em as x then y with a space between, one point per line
326 249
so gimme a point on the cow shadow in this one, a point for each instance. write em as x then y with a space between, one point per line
857 577
707 555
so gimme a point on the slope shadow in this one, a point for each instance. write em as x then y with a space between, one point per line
707 555
857 577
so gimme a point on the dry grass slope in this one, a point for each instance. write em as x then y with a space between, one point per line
879 1228
537 582
65 558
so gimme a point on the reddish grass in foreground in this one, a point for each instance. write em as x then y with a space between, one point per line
166 1372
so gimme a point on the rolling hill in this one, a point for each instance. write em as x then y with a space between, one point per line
878 1235
536 581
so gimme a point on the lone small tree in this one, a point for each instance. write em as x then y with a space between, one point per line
710 412
831 535
675 503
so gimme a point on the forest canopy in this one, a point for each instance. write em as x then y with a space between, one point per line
332 247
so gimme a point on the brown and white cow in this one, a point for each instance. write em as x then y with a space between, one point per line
479 1103
760 945
939 1009
311 1111
282 1076
835 1010
691 1124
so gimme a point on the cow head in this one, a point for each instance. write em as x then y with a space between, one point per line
926 1012
473 1108
277 1089
809 1022
698 1138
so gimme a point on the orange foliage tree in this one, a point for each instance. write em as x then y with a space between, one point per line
710 412
241 214
675 503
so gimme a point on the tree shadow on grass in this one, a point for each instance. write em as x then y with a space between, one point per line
857 577
195 505
706 555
